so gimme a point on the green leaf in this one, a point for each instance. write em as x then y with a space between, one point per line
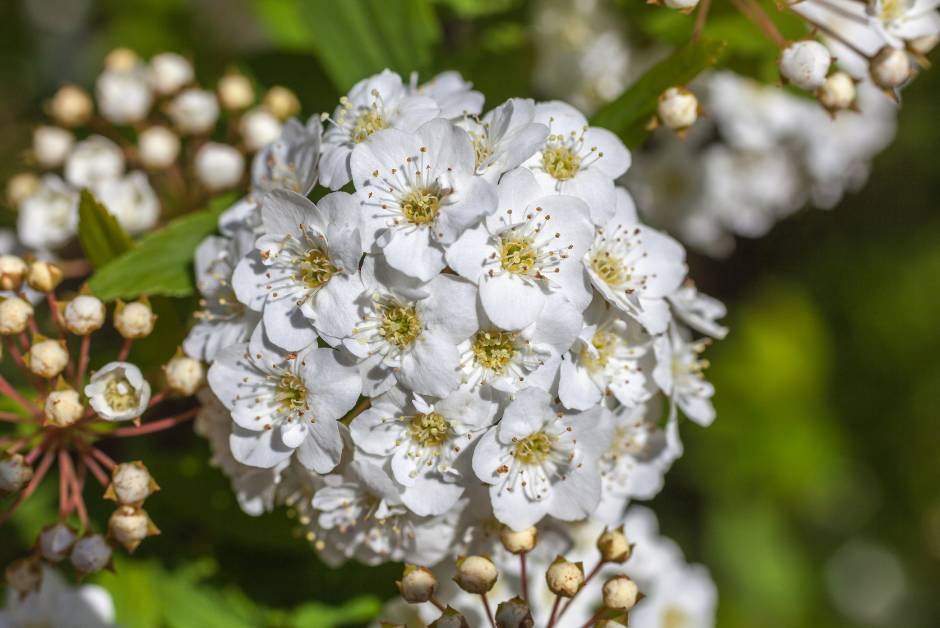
630 113
100 234
160 263
358 610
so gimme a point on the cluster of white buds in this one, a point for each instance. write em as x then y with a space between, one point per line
68 404
677 109
149 136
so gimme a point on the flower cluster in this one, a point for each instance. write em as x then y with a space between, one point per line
151 143
479 332
61 413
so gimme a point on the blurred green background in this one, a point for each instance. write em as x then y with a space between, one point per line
815 496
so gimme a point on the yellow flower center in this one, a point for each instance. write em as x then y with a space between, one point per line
400 325
517 254
533 449
316 268
560 162
421 206
430 430
494 349
604 343
120 395
367 123
291 394
675 617
893 9
609 268
481 149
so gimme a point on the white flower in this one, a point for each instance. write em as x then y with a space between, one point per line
539 461
902 21
304 275
530 248
118 392
219 166
427 443
680 595
635 268
259 128
59 604
679 374
418 193
578 160
124 95
48 218
194 111
284 402
131 200
410 332
51 145
376 103
454 96
505 137
169 72
699 311
290 162
93 160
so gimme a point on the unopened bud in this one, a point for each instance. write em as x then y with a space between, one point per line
15 473
450 618
169 72
63 407
476 574
90 554
282 102
24 575
121 60
677 108
518 542
56 541
71 106
236 92
20 187
43 276
194 111
51 145
129 526
12 272
514 613
620 593
805 64
613 546
131 483
184 374
47 358
565 578
890 68
683 6
259 128
158 147
924 44
219 166
14 315
84 315
417 584
134 320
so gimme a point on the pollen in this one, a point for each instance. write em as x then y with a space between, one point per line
291 394
604 344
316 269
367 123
120 395
494 349
421 206
400 325
560 162
517 254
534 448
430 430
610 268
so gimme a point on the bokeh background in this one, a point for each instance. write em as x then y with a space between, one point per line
814 498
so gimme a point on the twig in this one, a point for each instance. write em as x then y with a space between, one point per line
96 471
753 12
551 617
125 349
486 609
103 458
525 578
700 17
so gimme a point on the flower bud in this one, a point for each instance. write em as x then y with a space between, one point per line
924 44
620 593
259 128
131 483
51 145
565 578
15 473
417 584
282 102
476 574
184 374
12 271
518 542
219 166
194 111
43 276
47 358
169 72
56 541
129 526
235 91
84 315
90 554
890 68
514 613
14 315
121 60
134 320
124 96
118 392
677 108
158 147
838 92
805 64
20 187
450 618
71 106
683 6
63 407
25 575
613 546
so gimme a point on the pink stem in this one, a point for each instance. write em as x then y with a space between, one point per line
103 458
13 394
31 487
157 398
525 578
82 362
12 417
155 426
125 350
65 483
54 307
590 575
96 471
33 327
77 500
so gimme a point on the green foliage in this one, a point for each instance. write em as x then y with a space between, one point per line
100 234
630 113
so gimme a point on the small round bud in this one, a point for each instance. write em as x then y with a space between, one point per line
194 111
158 147
63 407
184 374
15 473
514 613
518 542
121 60
838 92
219 166
565 578
890 68
476 574
282 102
47 358
169 72
84 314
24 575
134 320
613 546
43 276
677 108
805 64
450 618
129 526
56 541
20 187
12 271
131 483
924 44
620 593
71 106
90 554
259 128
14 315
235 92
417 584
51 145
683 6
